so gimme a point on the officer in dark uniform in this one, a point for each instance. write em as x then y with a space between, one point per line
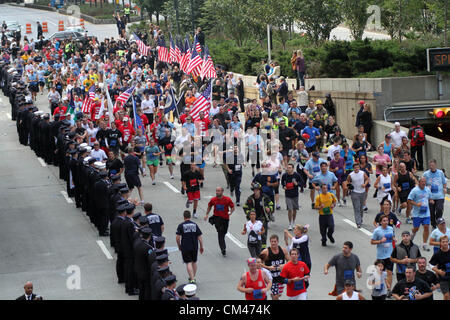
70 154
35 132
116 241
79 183
114 196
101 188
170 292
159 284
44 137
54 130
87 171
73 167
126 241
60 152
93 177
142 249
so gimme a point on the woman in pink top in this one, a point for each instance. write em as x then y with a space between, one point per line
381 159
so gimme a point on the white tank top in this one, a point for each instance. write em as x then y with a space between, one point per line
358 181
386 183
355 296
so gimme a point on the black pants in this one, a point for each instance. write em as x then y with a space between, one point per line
419 159
222 229
436 211
326 223
235 185
254 249
145 291
130 280
103 217
120 264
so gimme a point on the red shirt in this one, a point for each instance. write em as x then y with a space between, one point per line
221 206
127 133
291 271
256 285
62 112
183 118
202 125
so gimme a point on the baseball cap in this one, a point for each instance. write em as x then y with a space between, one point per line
349 282
316 154
440 221
396 123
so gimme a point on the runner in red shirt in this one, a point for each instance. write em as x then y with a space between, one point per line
254 283
184 115
202 124
191 184
95 109
127 131
223 208
295 273
61 110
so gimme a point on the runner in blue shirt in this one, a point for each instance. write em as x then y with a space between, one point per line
312 168
437 183
314 134
382 237
325 177
420 198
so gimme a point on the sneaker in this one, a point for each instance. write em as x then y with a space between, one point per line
153 183
278 207
389 294
195 215
232 193
365 208
238 204
182 190
312 205
272 217
408 221
425 248
399 210
339 203
344 201
193 281
142 203
171 177
290 227
201 184
188 203
224 253
331 239
324 243
358 226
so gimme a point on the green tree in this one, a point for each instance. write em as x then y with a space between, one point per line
355 14
152 7
318 17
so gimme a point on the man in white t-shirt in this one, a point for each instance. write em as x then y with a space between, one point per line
397 135
147 106
98 153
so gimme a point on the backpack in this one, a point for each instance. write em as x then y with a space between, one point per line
419 136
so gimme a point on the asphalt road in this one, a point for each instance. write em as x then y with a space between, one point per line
41 234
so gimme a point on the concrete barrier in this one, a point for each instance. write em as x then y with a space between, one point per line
434 148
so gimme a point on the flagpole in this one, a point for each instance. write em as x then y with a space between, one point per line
134 113
176 102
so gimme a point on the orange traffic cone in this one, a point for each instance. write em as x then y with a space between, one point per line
28 29
44 27
61 25
82 23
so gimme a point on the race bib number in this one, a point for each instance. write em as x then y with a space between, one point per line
257 294
405 186
339 171
423 209
348 274
387 186
326 210
316 169
220 207
237 167
298 285
434 188
193 182
289 186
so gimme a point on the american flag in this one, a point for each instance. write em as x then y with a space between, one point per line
195 64
172 54
123 98
208 69
142 48
163 53
197 45
202 103
87 103
187 55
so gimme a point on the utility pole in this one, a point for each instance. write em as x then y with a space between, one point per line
192 16
446 24
175 4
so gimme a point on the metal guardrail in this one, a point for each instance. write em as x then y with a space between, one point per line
392 110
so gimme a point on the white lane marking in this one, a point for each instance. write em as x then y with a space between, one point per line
51 22
367 232
105 251
236 241
171 187
66 197
9 115
350 223
42 162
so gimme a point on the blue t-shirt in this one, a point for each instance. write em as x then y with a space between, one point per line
349 159
384 250
437 234
312 132
190 127
313 167
149 152
329 178
418 195
435 181
262 180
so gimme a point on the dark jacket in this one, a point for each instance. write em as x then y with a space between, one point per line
126 238
141 262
